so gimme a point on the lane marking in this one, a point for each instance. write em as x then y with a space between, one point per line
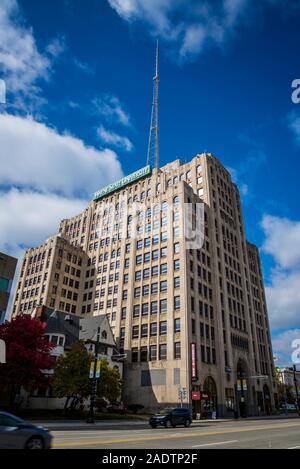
218 443
167 437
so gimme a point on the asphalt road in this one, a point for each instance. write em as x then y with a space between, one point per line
252 434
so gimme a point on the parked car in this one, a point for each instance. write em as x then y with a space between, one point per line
15 433
171 417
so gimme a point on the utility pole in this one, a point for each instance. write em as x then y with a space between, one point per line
94 380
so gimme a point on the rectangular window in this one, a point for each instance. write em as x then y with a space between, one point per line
163 351
145 309
163 286
177 350
136 311
176 302
153 329
163 306
134 354
176 325
144 330
154 288
154 307
144 354
153 353
163 269
163 328
135 332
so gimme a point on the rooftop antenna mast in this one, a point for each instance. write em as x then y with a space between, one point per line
153 143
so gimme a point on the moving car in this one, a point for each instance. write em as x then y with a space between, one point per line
171 417
15 433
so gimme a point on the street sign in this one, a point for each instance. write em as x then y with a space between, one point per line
196 396
92 366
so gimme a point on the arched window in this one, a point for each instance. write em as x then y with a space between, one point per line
104 335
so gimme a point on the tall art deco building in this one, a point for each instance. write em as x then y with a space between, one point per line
190 317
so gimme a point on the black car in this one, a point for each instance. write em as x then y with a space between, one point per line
171 417
15 433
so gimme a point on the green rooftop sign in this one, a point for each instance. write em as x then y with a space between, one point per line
141 173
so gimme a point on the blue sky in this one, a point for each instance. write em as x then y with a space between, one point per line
79 87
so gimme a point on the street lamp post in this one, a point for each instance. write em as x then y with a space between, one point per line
94 380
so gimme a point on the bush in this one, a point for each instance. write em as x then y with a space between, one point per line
135 408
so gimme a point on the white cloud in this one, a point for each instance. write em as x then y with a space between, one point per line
282 242
22 65
28 218
112 138
109 106
186 25
84 67
282 346
34 156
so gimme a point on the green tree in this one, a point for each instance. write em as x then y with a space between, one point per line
71 375
110 383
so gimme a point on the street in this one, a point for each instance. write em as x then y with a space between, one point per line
252 434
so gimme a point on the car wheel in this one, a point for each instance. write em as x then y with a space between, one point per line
153 426
168 424
35 443
187 423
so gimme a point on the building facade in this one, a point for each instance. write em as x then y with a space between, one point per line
7 271
190 314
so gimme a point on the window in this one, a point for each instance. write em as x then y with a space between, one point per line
138 259
163 306
146 273
145 290
145 309
177 350
153 329
163 328
137 292
136 311
135 332
138 275
144 354
134 354
163 286
163 351
163 269
154 271
154 288
176 264
153 353
123 313
176 302
163 252
154 307
144 330
147 257
155 255
177 282
176 248
139 244
176 325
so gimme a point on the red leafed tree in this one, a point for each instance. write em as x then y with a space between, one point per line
27 354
